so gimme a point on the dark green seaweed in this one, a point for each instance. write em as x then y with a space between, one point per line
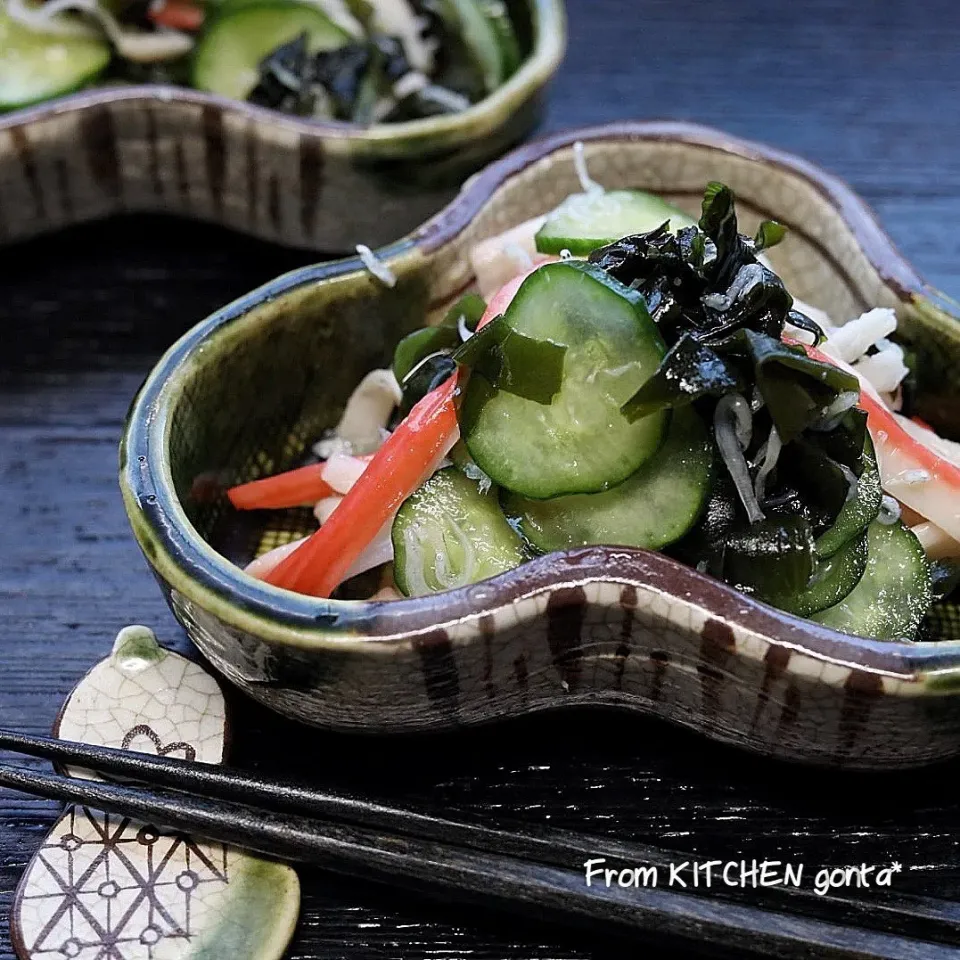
509 361
690 370
723 314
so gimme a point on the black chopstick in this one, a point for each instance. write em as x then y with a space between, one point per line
550 847
503 882
236 794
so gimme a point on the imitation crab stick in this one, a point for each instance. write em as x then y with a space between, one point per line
405 460
177 15
303 486
319 564
910 470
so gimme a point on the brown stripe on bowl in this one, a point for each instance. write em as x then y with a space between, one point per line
323 186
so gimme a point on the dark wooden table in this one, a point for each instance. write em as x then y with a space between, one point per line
868 90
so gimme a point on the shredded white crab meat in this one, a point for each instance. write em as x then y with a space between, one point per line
522 258
852 340
377 267
493 266
378 552
848 343
143 47
937 543
328 446
453 101
409 83
885 369
323 508
342 471
367 413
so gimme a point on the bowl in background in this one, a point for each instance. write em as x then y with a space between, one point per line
323 186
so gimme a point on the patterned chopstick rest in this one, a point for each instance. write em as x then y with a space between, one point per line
102 885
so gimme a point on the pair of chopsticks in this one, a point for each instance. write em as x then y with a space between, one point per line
538 873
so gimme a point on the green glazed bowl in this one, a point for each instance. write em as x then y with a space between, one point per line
246 391
323 186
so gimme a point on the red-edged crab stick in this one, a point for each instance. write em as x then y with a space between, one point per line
408 457
910 470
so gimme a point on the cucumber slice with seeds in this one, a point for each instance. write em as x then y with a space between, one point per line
228 56
894 593
450 533
579 443
655 506
584 222
36 66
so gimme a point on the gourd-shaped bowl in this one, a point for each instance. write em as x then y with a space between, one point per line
318 185
246 391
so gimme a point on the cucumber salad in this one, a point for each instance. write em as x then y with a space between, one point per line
356 61
626 375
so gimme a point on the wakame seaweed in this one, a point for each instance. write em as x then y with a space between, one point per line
722 313
509 361
344 83
689 371
285 79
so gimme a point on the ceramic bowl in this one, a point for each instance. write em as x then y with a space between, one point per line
315 185
244 392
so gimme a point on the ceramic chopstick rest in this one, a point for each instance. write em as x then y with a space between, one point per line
105 886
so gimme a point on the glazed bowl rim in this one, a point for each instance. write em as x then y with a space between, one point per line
549 46
193 568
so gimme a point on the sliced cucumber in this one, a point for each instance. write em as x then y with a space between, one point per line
229 53
449 534
655 506
857 513
584 222
480 38
894 593
833 579
579 443
35 66
496 12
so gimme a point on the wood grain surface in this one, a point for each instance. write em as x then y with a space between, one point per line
868 90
